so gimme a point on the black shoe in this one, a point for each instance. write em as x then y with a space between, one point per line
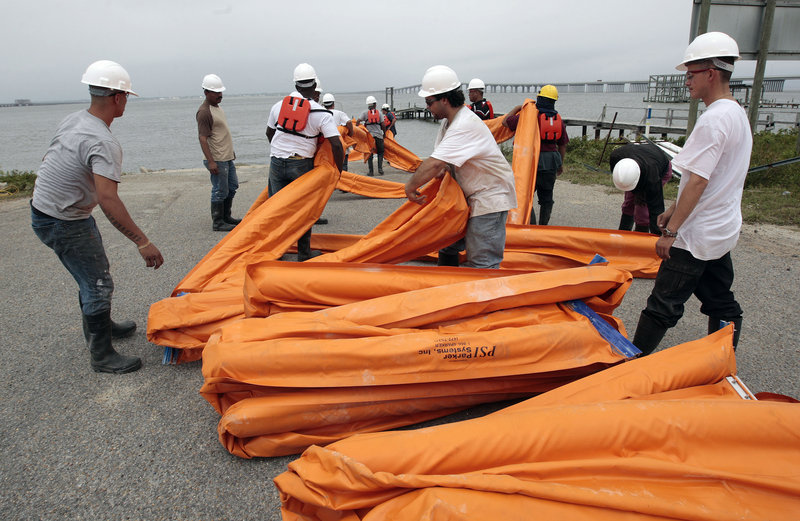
226 213
321 220
304 256
104 359
649 334
218 223
118 329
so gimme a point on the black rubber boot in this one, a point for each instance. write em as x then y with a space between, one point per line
447 259
715 324
118 329
533 214
104 358
380 164
648 334
304 251
371 168
626 222
226 215
544 213
218 223
645 228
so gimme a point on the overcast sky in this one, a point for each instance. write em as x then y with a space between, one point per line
168 45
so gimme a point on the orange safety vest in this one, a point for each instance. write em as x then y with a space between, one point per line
549 127
294 113
293 116
373 116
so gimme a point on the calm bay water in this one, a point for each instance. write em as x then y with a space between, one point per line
162 133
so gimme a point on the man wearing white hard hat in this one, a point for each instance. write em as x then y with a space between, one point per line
478 104
217 146
641 172
294 126
340 119
701 228
467 150
81 169
372 120
389 119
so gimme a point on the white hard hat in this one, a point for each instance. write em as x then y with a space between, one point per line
626 174
213 83
371 100
328 98
437 80
709 46
476 83
108 74
304 74
385 106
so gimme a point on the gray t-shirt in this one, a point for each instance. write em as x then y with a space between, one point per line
83 146
373 128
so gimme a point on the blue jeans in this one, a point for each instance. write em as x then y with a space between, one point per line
79 247
485 241
224 183
284 171
682 275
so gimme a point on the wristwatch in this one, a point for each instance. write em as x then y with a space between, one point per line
669 233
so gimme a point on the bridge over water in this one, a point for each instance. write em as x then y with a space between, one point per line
771 84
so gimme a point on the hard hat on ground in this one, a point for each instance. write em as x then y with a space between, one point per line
213 83
108 74
709 46
385 106
476 83
437 80
328 99
304 75
549 91
371 100
626 174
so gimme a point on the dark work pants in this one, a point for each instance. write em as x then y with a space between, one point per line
682 275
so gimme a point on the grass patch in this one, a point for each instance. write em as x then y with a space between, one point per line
16 183
770 196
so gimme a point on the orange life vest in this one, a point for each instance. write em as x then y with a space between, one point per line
549 127
294 113
293 116
388 122
373 116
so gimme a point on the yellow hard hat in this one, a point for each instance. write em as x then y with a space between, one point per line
549 91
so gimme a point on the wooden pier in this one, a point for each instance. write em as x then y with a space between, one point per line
600 125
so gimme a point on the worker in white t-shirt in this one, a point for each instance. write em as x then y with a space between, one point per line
294 127
701 228
340 119
467 150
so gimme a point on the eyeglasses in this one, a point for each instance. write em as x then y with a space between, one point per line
690 74
431 102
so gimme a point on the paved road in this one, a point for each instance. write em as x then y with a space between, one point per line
80 445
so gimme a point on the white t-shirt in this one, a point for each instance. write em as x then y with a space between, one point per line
284 144
718 149
340 118
482 171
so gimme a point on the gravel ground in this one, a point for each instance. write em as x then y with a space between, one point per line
82 445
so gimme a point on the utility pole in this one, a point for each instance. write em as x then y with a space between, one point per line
702 28
761 65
